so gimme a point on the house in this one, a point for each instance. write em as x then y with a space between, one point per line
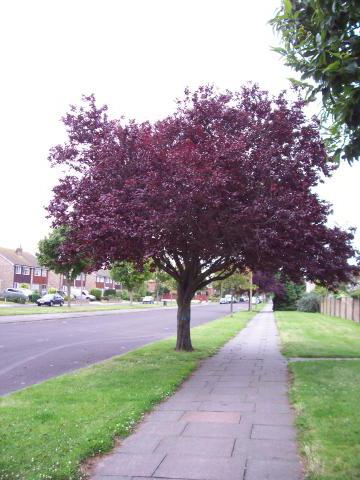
100 279
18 267
104 281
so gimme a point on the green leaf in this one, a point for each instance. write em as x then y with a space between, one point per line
280 50
288 7
333 66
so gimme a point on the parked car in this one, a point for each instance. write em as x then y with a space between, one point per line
88 296
51 299
255 300
26 291
12 294
148 299
228 298
82 294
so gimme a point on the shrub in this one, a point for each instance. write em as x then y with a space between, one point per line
124 295
355 293
286 300
34 297
214 298
110 292
21 300
96 292
52 290
310 302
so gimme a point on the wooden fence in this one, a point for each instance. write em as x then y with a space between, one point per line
344 307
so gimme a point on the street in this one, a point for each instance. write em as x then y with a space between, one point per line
31 352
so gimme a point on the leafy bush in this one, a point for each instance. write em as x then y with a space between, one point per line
24 285
96 292
34 297
52 290
310 302
355 293
124 295
21 300
286 300
110 292
214 298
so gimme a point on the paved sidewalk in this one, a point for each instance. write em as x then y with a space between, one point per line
230 421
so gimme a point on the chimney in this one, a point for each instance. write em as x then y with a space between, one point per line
19 251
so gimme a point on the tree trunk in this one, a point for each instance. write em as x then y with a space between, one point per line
68 291
131 295
157 292
81 289
183 340
250 292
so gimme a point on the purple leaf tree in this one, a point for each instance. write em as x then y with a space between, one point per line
224 183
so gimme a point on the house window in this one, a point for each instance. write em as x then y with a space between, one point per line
37 272
43 272
18 269
26 271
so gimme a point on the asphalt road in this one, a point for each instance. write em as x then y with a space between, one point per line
31 352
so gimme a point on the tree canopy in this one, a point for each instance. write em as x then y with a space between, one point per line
53 256
237 283
225 183
130 275
321 40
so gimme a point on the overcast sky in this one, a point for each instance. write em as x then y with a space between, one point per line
136 56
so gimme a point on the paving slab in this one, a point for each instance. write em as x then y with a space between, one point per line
266 449
231 420
273 470
129 464
273 432
218 430
200 468
208 417
210 447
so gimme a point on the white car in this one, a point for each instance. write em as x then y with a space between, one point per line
26 291
82 294
148 299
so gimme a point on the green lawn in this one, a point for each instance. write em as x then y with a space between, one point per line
48 429
317 335
326 396
73 309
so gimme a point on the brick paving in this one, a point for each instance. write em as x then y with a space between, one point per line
230 421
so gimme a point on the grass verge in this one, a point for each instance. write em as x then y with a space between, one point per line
74 309
326 396
317 335
47 430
